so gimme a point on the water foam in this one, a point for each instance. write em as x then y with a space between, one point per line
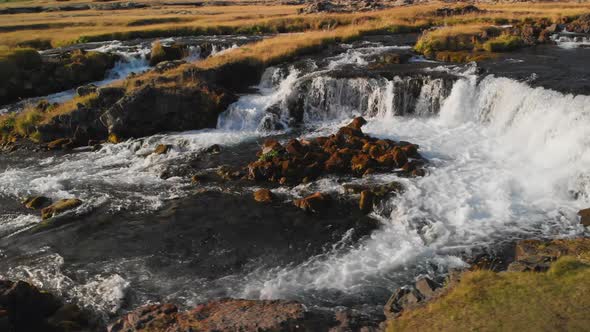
507 162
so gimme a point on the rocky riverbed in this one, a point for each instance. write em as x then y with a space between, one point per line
300 203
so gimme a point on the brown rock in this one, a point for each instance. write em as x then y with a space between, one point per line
37 202
263 196
162 149
411 151
357 123
335 163
366 201
360 163
61 143
426 287
294 147
402 299
349 131
584 217
222 315
399 156
59 207
271 145
419 172
314 203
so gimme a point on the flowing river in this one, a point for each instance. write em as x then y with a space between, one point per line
509 159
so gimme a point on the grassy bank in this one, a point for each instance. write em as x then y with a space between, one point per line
515 301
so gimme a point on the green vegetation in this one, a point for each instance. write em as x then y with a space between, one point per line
557 300
269 156
503 43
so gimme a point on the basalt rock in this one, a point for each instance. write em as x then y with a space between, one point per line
150 110
349 151
23 308
28 74
407 298
580 25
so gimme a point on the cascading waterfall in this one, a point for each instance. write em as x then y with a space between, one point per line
507 161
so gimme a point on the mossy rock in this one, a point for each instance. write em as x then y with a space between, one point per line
60 207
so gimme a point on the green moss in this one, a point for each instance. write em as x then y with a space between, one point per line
503 43
515 301
269 156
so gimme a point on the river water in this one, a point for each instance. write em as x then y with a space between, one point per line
509 159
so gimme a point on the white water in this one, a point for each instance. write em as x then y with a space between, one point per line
507 162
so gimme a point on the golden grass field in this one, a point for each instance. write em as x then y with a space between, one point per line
62 27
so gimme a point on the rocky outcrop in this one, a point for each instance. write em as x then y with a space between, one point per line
161 53
341 6
36 202
153 109
579 25
460 10
410 297
349 151
537 255
27 74
24 308
241 315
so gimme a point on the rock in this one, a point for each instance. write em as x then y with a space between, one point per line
59 207
294 147
61 143
271 145
460 10
402 299
23 307
162 149
110 94
213 149
263 196
399 157
366 201
227 174
584 217
160 53
85 90
357 123
196 179
165 66
426 287
537 255
314 203
223 315
37 202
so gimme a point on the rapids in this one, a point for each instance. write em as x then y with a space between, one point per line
508 161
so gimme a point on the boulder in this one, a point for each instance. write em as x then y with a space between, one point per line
584 217
366 201
263 196
426 287
213 149
314 203
23 307
357 123
402 299
85 90
59 207
160 53
37 202
162 149
537 255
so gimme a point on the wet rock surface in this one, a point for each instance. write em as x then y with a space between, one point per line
23 307
349 152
